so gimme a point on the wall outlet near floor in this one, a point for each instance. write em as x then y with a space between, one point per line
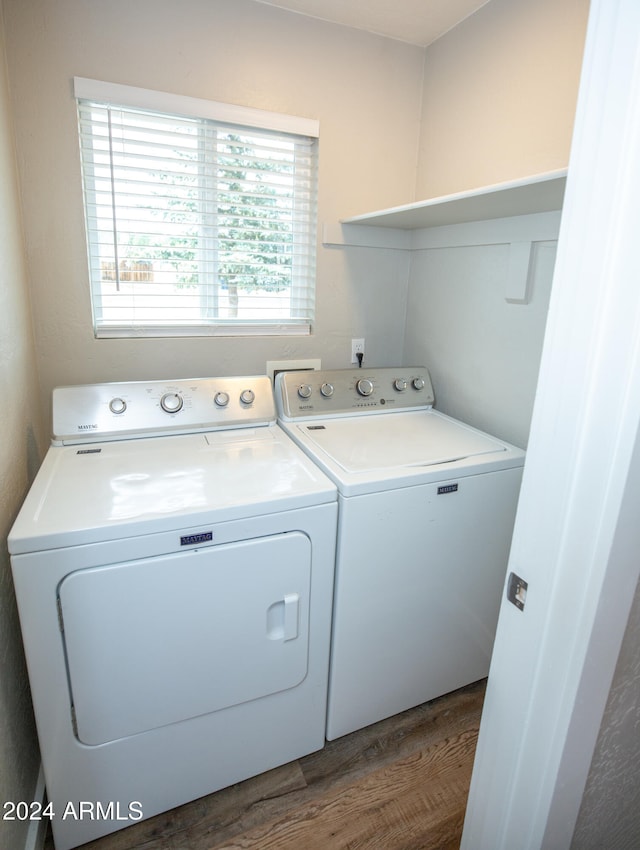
357 347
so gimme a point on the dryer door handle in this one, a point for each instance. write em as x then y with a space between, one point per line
291 615
283 618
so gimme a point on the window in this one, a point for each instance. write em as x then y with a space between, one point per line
201 216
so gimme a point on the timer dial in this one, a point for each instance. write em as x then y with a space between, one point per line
117 405
247 396
364 386
171 402
221 399
418 383
304 391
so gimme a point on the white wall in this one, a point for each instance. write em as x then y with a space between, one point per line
21 430
500 95
364 89
483 352
498 104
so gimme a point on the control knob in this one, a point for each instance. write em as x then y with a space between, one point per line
418 383
327 390
304 391
247 396
364 386
117 405
221 399
400 384
171 402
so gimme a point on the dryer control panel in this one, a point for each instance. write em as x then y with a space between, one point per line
349 391
98 412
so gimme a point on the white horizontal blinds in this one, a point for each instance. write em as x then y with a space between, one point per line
264 205
197 226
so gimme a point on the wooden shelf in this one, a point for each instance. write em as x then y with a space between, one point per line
536 194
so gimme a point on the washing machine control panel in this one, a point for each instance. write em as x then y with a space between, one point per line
98 412
348 391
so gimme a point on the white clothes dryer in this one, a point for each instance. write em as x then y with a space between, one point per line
426 513
173 565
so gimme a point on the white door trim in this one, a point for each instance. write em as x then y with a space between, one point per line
553 662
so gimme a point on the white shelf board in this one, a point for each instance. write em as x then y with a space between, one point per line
536 194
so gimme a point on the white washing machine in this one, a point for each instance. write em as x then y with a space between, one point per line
173 565
426 512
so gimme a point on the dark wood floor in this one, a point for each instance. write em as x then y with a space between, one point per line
400 784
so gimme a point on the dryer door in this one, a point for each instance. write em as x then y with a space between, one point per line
164 639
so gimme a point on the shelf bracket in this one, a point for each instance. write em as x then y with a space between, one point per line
520 256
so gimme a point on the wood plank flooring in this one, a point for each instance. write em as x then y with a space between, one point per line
400 784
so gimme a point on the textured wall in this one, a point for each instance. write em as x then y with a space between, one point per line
609 817
19 424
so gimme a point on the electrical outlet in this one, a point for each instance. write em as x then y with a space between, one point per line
357 347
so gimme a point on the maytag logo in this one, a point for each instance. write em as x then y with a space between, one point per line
447 488
91 427
193 539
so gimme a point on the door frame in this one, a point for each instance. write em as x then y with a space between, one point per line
576 532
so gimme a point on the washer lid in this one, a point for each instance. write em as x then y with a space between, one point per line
368 443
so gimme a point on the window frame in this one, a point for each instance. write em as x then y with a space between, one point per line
113 95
